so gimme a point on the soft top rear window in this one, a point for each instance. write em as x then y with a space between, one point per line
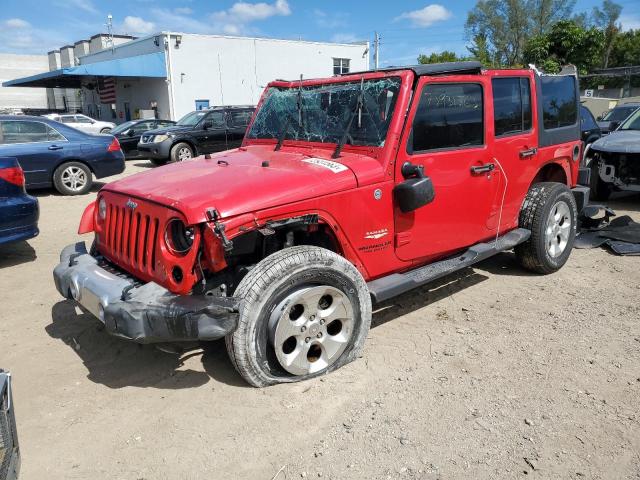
559 101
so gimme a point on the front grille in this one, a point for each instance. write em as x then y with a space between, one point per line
129 237
146 138
9 460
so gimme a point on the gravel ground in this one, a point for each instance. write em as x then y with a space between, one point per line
490 373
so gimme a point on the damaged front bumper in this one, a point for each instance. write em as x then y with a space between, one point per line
145 313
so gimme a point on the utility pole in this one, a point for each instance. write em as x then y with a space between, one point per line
376 50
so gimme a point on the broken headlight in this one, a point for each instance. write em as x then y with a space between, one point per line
178 237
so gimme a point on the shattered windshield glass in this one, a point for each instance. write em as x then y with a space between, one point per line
321 113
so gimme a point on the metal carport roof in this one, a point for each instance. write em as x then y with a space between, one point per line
151 65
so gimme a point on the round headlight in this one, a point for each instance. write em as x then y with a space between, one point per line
178 237
102 209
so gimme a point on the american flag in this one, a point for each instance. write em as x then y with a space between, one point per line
107 89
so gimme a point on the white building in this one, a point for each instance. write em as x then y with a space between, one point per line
12 66
171 74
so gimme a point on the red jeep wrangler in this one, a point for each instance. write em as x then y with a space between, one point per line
346 190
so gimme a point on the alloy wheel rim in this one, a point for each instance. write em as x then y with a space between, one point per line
184 154
558 229
311 328
74 178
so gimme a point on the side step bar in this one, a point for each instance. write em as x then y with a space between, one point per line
395 284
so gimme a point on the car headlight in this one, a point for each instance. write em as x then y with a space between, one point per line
102 209
178 237
159 138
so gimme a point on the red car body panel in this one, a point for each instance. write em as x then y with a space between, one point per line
352 195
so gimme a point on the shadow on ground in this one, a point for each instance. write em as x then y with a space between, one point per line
144 164
16 254
51 192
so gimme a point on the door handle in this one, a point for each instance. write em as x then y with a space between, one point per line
55 147
530 152
487 167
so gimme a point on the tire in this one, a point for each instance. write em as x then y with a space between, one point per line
181 151
272 295
600 191
105 130
549 211
158 161
72 178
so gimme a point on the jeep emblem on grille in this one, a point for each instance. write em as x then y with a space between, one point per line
131 204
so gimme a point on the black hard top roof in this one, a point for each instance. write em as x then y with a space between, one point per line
432 68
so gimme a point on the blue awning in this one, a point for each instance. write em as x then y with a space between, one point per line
151 65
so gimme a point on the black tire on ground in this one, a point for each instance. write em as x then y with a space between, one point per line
177 149
600 190
271 282
158 161
63 178
539 254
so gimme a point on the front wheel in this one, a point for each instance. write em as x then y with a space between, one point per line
305 312
181 152
549 211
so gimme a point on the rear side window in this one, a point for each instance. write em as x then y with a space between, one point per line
68 119
586 119
215 120
28 132
511 105
240 118
559 102
448 116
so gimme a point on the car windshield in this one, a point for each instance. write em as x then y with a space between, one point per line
618 114
191 119
632 123
321 113
123 127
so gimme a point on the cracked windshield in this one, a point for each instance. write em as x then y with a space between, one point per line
324 113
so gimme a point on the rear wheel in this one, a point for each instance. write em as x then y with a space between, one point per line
181 152
549 211
306 311
72 178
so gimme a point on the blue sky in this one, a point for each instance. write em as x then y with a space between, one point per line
407 27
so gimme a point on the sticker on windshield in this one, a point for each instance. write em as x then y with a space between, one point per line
335 167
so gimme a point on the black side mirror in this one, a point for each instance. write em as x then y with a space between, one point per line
129 133
416 191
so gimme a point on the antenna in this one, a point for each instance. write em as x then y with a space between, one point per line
224 115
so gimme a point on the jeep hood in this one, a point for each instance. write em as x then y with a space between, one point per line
620 141
236 182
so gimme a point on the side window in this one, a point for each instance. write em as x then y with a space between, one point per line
586 119
240 118
68 119
82 119
24 132
511 105
448 116
215 120
559 102
54 136
142 127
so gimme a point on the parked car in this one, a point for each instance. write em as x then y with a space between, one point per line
51 153
614 117
9 446
82 122
589 129
18 211
614 160
346 191
129 133
197 133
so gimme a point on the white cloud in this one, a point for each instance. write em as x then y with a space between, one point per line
16 23
137 26
234 20
168 19
426 16
330 20
183 11
84 5
630 21
344 38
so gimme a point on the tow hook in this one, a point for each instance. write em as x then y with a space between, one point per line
218 228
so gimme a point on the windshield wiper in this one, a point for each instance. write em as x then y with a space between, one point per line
356 111
282 134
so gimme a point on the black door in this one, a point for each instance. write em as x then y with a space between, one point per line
212 133
130 138
237 121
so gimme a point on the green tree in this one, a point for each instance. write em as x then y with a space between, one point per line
606 19
625 50
444 56
506 25
566 42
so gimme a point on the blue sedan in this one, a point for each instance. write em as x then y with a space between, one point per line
53 154
18 211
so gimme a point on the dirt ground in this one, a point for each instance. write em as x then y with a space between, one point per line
491 373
